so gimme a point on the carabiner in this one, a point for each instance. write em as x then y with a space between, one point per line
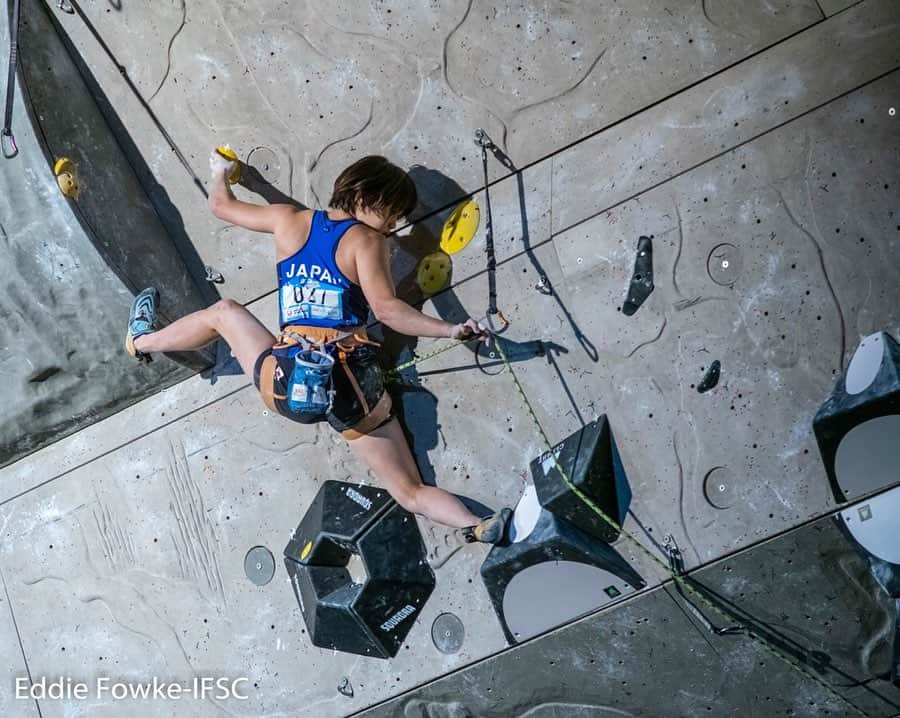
504 322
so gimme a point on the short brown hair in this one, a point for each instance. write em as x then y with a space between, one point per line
374 183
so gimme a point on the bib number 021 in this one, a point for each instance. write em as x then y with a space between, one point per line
311 300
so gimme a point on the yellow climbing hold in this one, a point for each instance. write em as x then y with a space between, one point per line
230 154
460 227
433 272
67 177
306 550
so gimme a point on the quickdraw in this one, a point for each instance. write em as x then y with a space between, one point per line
485 143
7 139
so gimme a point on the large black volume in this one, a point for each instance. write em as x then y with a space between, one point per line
858 427
591 461
553 575
334 520
371 618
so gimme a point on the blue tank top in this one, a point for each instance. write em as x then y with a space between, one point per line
312 291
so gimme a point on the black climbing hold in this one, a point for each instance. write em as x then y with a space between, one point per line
336 518
43 374
345 688
711 378
642 280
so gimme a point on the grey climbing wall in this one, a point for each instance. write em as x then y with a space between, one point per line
756 134
807 593
73 267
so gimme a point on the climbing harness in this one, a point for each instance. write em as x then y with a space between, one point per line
7 138
314 352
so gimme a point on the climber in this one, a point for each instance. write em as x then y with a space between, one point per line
333 268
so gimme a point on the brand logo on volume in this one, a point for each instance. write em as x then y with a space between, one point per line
394 621
295 579
359 498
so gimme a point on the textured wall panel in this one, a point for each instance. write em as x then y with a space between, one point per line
321 84
807 592
745 101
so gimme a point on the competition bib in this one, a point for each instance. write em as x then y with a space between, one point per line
303 298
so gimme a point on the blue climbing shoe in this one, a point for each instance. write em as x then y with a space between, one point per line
141 321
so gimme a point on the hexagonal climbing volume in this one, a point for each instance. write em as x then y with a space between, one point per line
371 618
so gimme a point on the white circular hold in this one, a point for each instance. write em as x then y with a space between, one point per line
874 525
865 364
526 515
868 456
892 112
724 264
580 260
551 593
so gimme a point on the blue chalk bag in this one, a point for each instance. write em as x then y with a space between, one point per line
309 389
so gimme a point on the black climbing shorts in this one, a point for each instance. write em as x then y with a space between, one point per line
360 402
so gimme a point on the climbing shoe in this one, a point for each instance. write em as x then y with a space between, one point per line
141 321
490 530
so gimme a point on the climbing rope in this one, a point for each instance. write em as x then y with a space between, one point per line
395 372
679 579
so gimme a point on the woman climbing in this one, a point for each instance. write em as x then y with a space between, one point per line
333 267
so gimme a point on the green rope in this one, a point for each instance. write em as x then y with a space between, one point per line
764 643
418 360
677 578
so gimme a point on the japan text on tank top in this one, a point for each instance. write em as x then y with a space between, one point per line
312 291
